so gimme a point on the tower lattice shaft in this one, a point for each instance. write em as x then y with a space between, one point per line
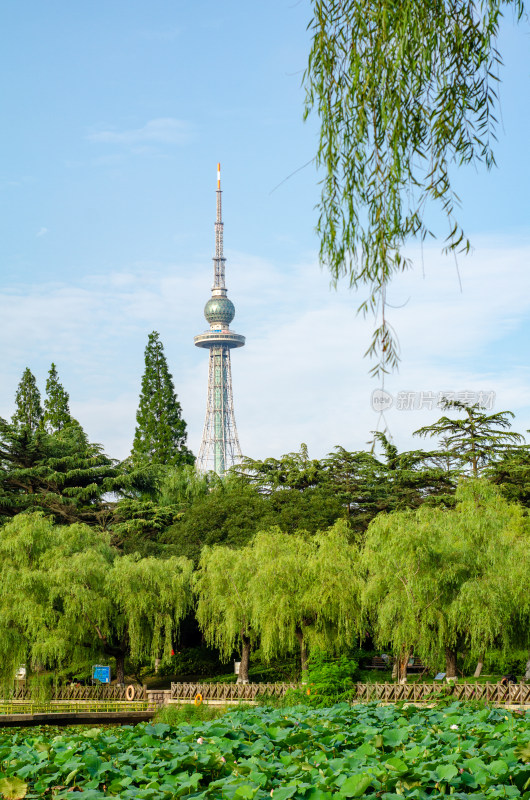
219 448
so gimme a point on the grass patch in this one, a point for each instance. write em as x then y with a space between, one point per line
189 713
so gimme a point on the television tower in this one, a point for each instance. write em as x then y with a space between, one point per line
220 445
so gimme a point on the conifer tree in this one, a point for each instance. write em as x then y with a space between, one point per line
29 410
160 436
62 474
56 409
476 439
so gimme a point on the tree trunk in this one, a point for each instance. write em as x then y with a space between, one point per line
480 664
450 663
120 668
245 660
303 654
403 664
527 671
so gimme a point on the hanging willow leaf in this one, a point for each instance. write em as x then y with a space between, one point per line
403 91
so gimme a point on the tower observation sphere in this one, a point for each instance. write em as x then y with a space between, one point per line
219 310
219 448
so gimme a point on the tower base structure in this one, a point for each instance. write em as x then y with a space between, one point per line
220 444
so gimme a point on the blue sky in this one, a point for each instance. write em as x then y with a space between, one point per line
115 115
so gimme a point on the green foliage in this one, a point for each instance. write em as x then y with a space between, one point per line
476 439
402 92
56 408
67 593
227 515
189 713
437 579
304 591
183 485
224 603
138 525
499 662
61 474
194 663
160 436
303 493
141 521
287 591
291 471
311 510
28 414
511 472
328 681
338 752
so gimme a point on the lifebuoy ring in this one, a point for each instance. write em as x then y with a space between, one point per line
129 692
198 699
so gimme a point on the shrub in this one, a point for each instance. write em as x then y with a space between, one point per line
329 681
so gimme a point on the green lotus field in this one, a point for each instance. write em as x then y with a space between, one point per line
315 754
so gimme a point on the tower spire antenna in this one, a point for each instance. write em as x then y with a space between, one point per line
219 259
219 448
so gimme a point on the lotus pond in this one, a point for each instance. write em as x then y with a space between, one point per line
342 752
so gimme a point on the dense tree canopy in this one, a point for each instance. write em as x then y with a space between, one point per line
312 494
67 594
233 511
292 554
62 473
439 580
304 591
224 601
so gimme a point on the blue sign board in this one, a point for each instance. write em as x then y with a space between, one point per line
101 673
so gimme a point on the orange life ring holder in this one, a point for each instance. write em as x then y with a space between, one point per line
129 692
198 699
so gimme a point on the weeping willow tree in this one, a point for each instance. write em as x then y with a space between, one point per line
222 586
304 591
438 581
403 91
66 595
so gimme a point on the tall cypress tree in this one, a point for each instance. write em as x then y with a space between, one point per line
160 436
28 413
56 409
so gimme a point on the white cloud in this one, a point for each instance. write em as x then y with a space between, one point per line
42 232
164 130
302 375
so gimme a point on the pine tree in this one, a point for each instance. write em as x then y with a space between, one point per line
476 439
56 409
62 474
160 436
29 410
